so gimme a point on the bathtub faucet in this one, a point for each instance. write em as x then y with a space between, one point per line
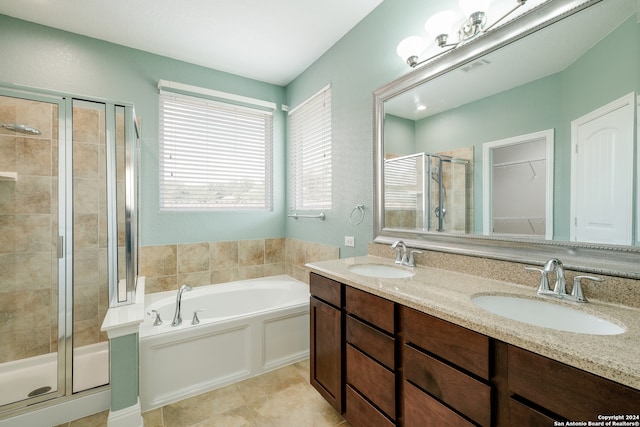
177 317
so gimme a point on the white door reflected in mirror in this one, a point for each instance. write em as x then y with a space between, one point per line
602 165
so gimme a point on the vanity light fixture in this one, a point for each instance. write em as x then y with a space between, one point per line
440 25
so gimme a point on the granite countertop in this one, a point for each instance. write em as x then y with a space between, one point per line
447 295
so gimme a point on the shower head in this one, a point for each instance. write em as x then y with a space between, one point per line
16 127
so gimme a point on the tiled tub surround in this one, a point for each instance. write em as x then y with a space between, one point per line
168 266
447 295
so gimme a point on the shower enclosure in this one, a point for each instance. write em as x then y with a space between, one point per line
427 192
69 231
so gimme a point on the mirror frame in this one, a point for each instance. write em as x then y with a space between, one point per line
622 261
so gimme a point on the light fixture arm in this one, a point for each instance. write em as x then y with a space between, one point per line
472 27
520 3
416 63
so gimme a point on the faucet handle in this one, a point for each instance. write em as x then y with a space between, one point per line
412 260
195 319
543 288
158 320
576 292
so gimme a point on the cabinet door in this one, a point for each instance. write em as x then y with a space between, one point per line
567 391
326 352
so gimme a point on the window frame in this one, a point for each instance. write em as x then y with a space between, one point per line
219 104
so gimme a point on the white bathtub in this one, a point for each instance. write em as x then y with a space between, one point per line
247 328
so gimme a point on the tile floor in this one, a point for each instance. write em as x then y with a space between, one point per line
281 398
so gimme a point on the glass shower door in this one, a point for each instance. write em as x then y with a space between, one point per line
449 194
91 246
32 335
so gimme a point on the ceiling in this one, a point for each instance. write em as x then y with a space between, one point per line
272 41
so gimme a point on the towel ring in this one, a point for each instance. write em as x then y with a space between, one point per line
359 208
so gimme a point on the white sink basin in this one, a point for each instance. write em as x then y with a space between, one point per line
547 315
381 271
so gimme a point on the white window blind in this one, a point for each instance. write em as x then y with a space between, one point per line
402 183
310 139
214 155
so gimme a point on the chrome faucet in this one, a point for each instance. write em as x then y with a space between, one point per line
401 252
560 286
556 265
177 317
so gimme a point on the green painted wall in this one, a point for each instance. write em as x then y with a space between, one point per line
124 371
399 135
38 56
361 62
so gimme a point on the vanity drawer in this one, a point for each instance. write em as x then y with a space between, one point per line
326 289
371 341
458 390
363 414
372 380
523 415
465 349
583 396
370 308
421 410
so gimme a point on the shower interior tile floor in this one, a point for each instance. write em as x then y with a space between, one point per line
280 398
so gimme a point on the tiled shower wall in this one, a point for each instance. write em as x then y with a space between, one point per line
91 288
166 267
28 228
28 224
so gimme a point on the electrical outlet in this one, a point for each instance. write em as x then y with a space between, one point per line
350 241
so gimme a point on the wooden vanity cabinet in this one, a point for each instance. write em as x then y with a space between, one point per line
445 373
326 336
370 360
538 384
382 364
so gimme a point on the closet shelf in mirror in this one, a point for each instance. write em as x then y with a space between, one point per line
8 176
521 162
515 220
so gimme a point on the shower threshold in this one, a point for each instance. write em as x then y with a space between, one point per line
33 376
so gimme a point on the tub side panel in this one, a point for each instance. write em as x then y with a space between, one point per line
285 339
173 369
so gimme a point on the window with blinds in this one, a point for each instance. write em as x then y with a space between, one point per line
403 183
214 155
310 142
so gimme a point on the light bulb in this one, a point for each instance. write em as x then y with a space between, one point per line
410 47
440 23
471 6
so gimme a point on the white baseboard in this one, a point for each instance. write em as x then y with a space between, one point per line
127 417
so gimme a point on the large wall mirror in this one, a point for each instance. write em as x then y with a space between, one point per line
520 145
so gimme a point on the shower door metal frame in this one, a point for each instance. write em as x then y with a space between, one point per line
65 235
451 160
64 390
